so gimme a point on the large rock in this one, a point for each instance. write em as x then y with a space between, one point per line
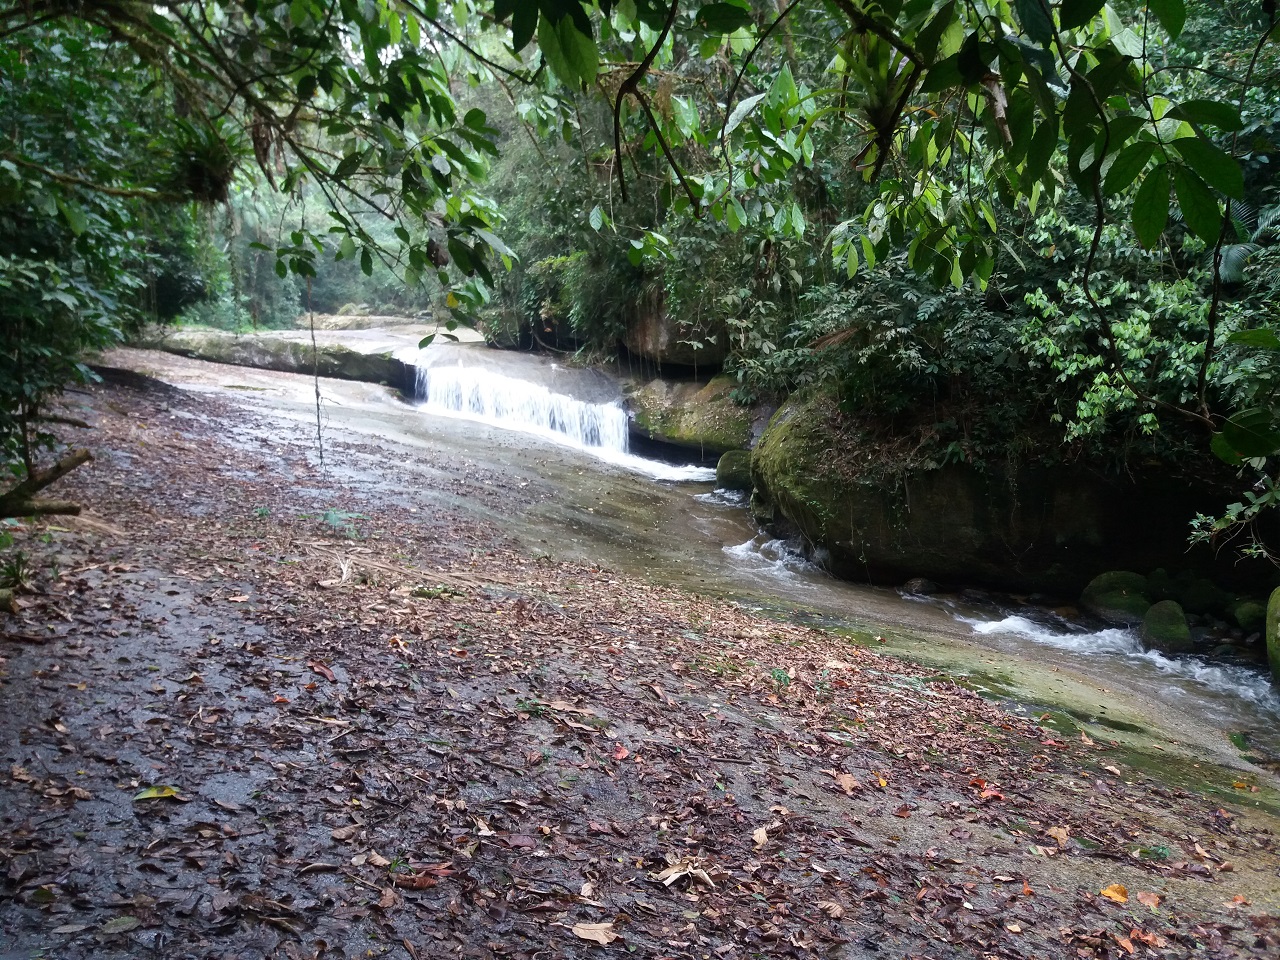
696 415
1273 635
371 361
1249 615
733 472
1165 628
1047 529
1119 597
667 341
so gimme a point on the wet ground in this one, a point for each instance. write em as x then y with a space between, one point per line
260 707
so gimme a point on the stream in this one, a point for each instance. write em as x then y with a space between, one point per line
541 450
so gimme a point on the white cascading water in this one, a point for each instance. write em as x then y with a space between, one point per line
521 405
1221 678
599 429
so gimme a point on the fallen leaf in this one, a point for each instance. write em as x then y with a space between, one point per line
1149 899
680 870
347 832
321 669
1060 834
1116 892
845 781
831 909
157 793
620 752
239 599
1086 739
1114 771
388 899
1013 928
120 925
761 836
601 933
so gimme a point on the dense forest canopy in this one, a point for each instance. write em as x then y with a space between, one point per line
991 229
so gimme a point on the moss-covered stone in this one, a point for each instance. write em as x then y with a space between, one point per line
733 472
1118 596
1165 628
697 415
1273 635
1201 596
1249 615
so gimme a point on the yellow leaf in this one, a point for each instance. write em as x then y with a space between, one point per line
156 793
451 301
601 933
1116 892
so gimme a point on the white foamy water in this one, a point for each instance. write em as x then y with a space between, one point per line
505 401
1225 678
777 557
508 403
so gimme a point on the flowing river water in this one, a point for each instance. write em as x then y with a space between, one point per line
548 446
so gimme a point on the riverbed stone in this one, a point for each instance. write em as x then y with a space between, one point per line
696 414
286 352
1273 635
733 472
1165 628
1200 595
920 587
1118 596
1249 615
654 335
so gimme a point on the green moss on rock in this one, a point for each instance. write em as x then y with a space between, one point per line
1249 615
1117 596
1165 628
1273 635
692 414
286 354
733 472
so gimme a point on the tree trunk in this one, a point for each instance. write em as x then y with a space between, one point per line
20 501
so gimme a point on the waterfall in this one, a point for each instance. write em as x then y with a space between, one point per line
521 405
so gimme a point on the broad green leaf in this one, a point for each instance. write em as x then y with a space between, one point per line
1252 433
722 18
1214 113
1151 207
1199 206
1172 14
1217 167
596 218
742 110
366 262
1222 450
1076 13
346 249
1263 338
1128 163
580 50
1035 19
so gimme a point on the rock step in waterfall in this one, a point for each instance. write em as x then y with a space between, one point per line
597 427
520 404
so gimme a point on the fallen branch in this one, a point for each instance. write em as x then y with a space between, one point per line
21 501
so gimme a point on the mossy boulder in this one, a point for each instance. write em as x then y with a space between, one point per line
1118 596
1201 596
1249 615
1273 635
701 416
1164 628
1011 527
733 472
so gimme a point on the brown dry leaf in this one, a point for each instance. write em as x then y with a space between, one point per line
845 781
1013 928
601 933
761 836
1149 899
389 898
346 833
680 870
831 909
378 860
1086 739
238 599
483 829
1060 834
1113 770
1116 892
323 670
620 752
420 880
1125 943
